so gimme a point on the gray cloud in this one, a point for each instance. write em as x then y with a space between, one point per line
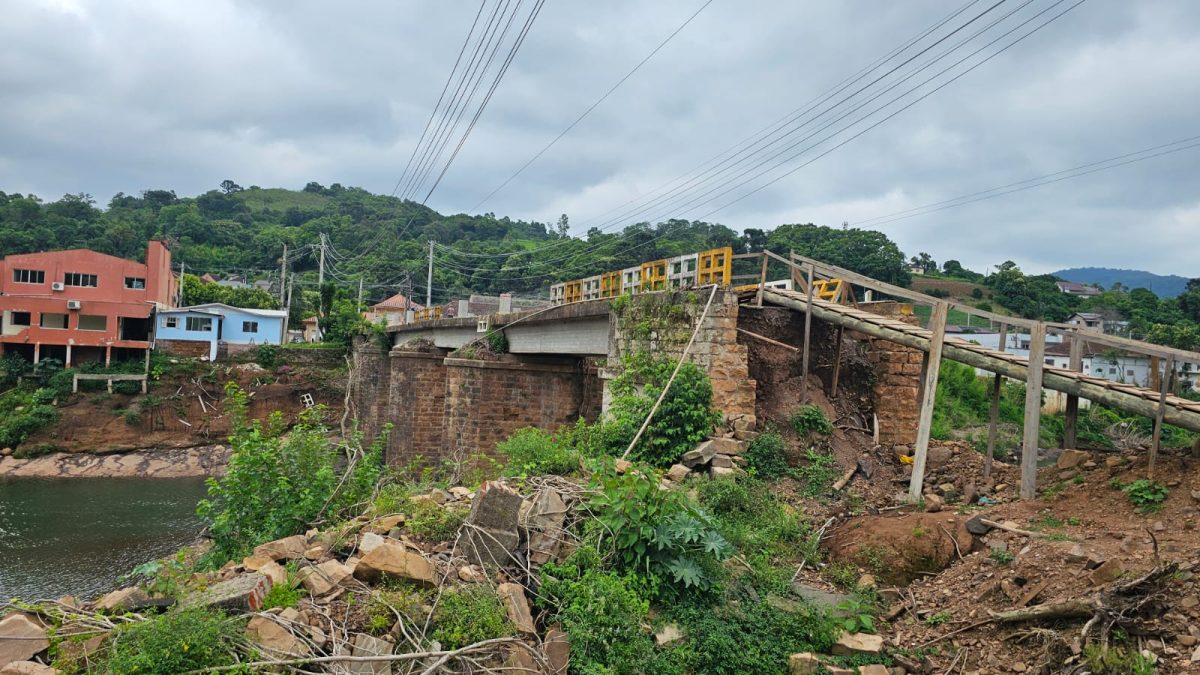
115 96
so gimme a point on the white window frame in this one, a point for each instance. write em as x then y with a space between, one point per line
29 276
207 325
170 322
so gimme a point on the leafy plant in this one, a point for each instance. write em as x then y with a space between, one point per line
1117 660
765 456
532 452
809 419
175 642
1147 495
856 616
1002 556
267 356
275 485
817 473
434 522
468 615
497 342
684 419
657 531
938 619
286 594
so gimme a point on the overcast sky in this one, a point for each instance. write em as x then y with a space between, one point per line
109 96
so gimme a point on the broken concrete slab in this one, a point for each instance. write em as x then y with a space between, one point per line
393 558
369 645
678 473
244 592
516 605
1111 570
27 668
558 650
21 637
544 523
369 541
493 535
669 634
275 572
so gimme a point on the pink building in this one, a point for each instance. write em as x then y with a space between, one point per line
82 306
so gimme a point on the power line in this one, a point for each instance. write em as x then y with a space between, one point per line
591 107
1037 181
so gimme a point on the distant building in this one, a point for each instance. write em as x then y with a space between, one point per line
392 310
312 330
82 306
201 330
1087 320
233 282
1072 288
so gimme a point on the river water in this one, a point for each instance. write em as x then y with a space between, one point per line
78 536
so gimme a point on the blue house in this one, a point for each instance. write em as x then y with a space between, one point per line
200 330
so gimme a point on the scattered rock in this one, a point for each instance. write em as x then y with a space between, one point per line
804 663
1187 640
902 451
728 446
314 552
369 542
275 572
933 503
977 527
1109 571
669 634
459 492
1196 495
254 563
1159 526
1000 488
386 524
938 456
471 574
850 644
874 669
703 454
558 650
678 473
723 471
1113 462
866 581
323 578
623 465
288 548
369 645
1189 602
494 536
274 639
1018 667
747 436
722 461
244 592
393 558
1070 459
124 600
517 607
21 637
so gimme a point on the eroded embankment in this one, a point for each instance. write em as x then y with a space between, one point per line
200 461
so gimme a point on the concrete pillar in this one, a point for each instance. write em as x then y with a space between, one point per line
68 362
37 352
464 308
108 355
505 303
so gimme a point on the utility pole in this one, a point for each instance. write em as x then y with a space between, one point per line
283 276
429 278
358 305
182 272
321 267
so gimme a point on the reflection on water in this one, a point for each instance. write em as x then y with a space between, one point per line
77 536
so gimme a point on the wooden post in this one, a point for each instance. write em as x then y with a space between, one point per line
807 333
1154 381
994 421
1033 411
762 281
837 363
1071 416
928 395
1164 388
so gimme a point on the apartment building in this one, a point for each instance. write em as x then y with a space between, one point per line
80 306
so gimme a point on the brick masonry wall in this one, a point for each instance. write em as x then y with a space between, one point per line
369 394
486 401
897 379
416 406
661 323
185 348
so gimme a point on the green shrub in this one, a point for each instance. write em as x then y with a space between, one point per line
809 419
35 413
287 594
1117 660
1146 495
276 485
175 642
657 531
497 342
766 455
684 419
602 613
756 522
35 450
267 356
532 452
434 523
817 474
468 615
751 636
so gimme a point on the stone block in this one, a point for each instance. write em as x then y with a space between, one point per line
288 548
678 473
393 558
244 593
21 637
369 645
275 640
558 650
496 512
544 524
851 644
323 578
804 663
512 596
1071 459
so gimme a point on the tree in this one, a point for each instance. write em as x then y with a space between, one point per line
924 261
564 226
863 251
1189 300
229 187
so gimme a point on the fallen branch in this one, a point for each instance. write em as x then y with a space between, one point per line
383 658
1070 609
841 482
1009 528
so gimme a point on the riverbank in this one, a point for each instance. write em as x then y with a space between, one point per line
196 462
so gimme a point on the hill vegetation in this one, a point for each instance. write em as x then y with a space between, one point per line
1163 285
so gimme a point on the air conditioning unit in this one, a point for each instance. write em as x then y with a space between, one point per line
74 304
58 286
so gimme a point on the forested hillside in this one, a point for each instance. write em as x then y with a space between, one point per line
1163 285
383 240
